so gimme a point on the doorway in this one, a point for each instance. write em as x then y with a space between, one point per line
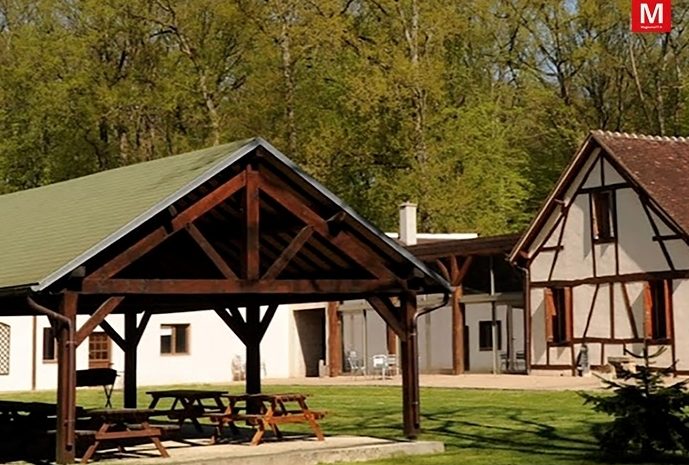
99 350
311 331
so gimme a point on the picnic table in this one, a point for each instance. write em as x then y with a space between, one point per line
120 425
33 413
270 410
189 403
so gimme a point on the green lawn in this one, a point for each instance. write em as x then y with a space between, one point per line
477 426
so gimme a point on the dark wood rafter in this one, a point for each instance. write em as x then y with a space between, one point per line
340 239
656 232
141 327
210 201
630 311
98 316
210 251
251 258
113 334
266 319
443 269
237 327
290 251
390 314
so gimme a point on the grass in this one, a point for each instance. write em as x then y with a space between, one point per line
477 426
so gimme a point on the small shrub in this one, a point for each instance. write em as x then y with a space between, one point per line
648 418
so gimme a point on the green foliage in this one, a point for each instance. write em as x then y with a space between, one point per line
649 418
470 109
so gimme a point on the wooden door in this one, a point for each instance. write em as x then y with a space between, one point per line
99 350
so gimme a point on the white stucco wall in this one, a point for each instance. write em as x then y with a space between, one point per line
580 258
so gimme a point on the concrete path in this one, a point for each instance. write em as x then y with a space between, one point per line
307 451
470 381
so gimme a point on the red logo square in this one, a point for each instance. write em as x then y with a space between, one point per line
651 15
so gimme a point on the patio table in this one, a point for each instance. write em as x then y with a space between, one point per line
189 403
120 425
271 410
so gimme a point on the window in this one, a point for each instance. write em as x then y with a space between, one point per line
558 314
49 345
601 203
99 350
174 339
485 335
657 309
4 349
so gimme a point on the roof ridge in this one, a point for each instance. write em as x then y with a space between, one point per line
626 135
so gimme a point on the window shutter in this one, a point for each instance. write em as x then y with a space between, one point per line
648 311
667 287
569 314
549 313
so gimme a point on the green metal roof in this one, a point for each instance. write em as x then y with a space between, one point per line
45 231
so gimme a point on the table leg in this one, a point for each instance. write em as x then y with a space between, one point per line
155 439
154 402
188 405
96 442
258 435
310 417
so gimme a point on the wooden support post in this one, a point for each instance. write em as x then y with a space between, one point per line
334 340
410 368
391 340
131 340
66 381
457 332
253 350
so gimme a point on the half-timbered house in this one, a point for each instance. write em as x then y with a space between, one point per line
607 256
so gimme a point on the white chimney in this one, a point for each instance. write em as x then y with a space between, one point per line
408 223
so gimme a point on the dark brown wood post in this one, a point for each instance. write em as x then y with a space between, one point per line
410 368
334 340
130 340
253 349
391 340
66 381
457 332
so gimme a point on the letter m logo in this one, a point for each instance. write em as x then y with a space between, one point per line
651 16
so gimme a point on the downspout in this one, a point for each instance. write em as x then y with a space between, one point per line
71 389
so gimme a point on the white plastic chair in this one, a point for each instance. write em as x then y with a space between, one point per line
379 363
356 364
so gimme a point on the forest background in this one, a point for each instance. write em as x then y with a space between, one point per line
469 108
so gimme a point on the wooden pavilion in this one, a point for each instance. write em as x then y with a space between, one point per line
238 225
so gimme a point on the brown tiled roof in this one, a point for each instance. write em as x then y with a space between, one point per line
659 165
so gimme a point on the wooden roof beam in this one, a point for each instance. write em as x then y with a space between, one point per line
223 286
